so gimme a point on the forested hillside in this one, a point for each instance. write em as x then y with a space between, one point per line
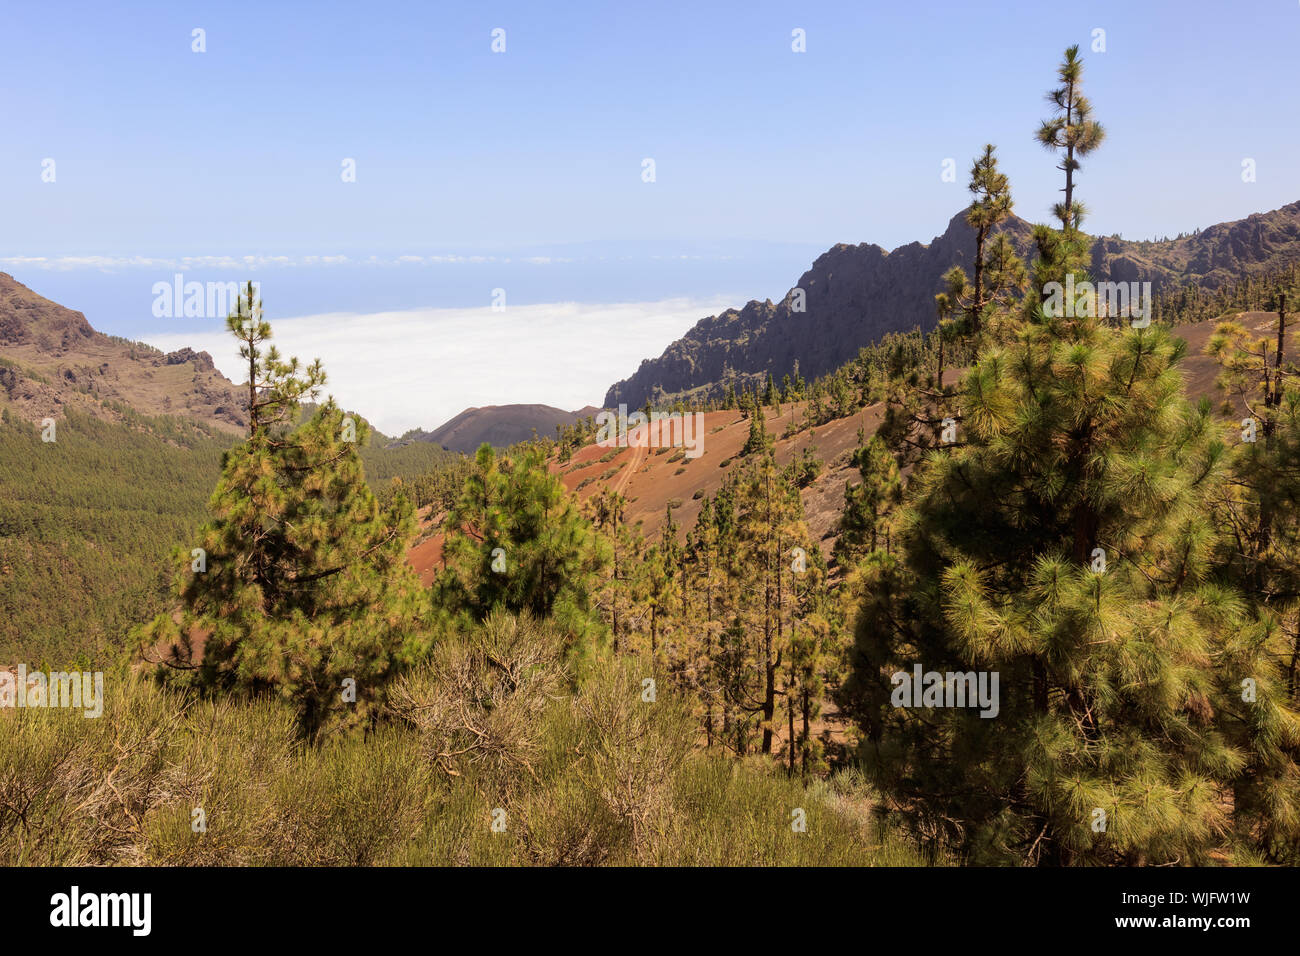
87 520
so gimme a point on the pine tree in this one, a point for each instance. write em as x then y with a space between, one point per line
997 270
759 441
799 385
660 599
619 595
299 580
1072 131
813 654
991 207
517 540
275 387
919 403
1252 375
709 583
868 504
1066 547
1259 515
773 547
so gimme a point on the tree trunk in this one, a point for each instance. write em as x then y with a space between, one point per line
806 740
1069 162
708 650
789 709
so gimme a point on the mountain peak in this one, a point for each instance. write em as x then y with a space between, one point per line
54 360
856 294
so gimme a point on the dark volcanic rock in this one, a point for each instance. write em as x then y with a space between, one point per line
201 360
854 295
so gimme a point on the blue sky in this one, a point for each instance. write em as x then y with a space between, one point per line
522 170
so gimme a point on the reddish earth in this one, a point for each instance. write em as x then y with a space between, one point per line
650 478
426 555
1200 370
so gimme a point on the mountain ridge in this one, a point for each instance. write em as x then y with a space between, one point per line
855 294
52 359
498 425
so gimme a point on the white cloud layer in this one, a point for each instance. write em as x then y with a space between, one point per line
422 366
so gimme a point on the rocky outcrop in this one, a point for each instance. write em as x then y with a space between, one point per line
201 360
1210 257
55 359
854 295
26 317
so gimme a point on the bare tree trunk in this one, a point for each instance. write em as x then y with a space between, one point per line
789 709
770 666
708 649
807 730
1069 162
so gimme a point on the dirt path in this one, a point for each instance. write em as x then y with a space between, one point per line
638 457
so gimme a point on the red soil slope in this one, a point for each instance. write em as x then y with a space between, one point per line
650 478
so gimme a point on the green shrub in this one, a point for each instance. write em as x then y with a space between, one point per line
583 773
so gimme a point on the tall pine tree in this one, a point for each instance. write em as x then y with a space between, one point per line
298 585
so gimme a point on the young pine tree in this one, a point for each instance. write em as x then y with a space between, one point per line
298 582
1071 131
1067 546
867 505
1259 514
517 540
967 299
759 441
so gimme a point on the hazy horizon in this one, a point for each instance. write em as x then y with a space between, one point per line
426 159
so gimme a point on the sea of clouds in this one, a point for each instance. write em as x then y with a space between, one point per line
419 367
